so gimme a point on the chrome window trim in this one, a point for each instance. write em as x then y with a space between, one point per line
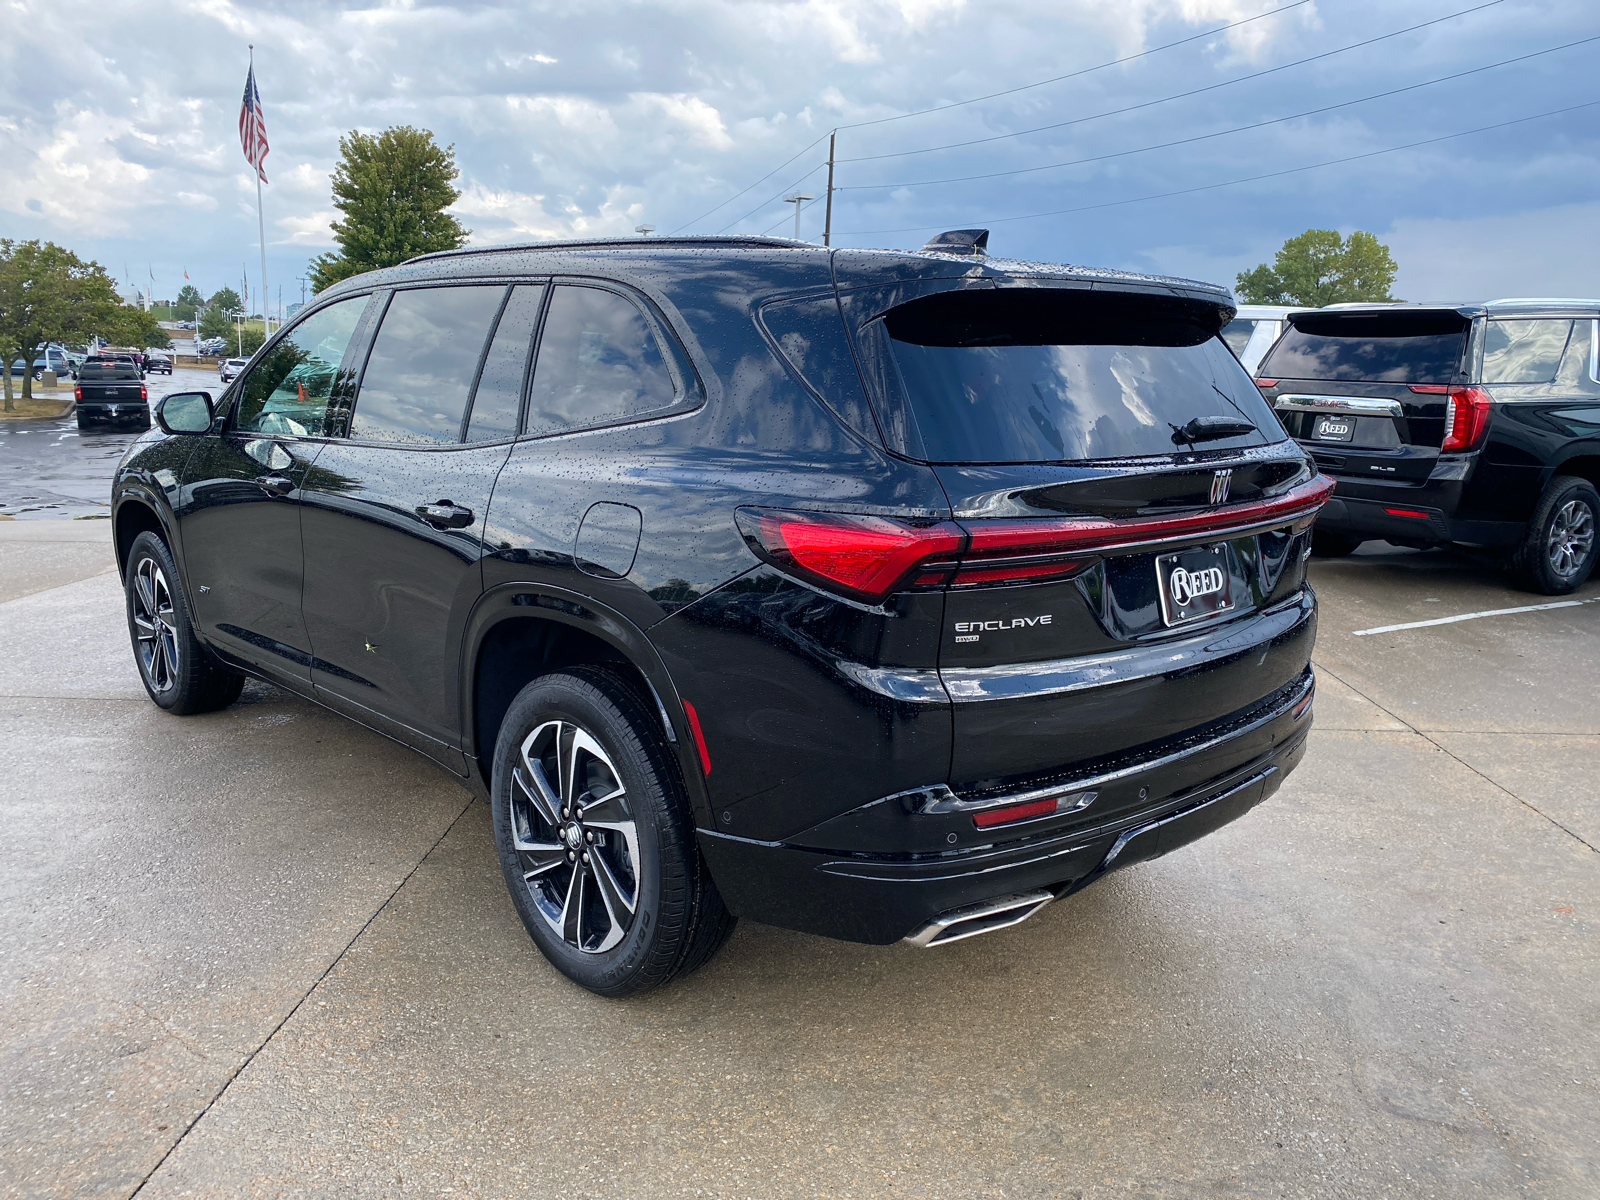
1362 406
1594 350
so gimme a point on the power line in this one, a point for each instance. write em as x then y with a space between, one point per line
1116 62
1332 162
994 95
1201 137
1211 87
774 196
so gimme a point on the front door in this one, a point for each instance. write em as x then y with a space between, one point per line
394 515
239 511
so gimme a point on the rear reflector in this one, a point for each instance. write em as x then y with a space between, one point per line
699 737
1409 512
868 557
1015 812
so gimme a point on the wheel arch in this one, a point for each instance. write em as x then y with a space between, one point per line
520 631
136 514
1584 465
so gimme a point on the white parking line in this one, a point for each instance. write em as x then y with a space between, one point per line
1493 612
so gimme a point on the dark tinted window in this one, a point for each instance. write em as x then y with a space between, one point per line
423 363
288 390
498 400
1237 333
1523 351
1398 348
598 362
96 371
1039 376
812 337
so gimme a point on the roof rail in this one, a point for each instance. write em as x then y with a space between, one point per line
730 241
1541 300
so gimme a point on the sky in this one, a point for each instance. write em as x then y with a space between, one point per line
1124 124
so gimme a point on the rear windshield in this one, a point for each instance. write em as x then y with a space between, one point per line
1387 348
92 371
1035 375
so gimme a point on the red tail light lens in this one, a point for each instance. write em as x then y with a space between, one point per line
1466 418
870 557
1015 812
1264 384
864 557
77 393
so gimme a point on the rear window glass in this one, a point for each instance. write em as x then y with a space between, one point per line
1523 351
93 371
1409 348
1237 333
1031 375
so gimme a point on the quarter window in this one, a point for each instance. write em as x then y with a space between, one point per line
1523 351
287 392
423 364
598 363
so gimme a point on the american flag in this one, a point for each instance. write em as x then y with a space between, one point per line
253 127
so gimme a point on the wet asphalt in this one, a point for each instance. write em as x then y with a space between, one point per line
265 953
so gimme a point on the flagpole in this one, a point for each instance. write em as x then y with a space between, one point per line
261 223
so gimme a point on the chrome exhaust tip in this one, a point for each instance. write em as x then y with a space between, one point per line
1000 913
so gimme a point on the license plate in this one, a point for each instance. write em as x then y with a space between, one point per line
1334 429
1194 584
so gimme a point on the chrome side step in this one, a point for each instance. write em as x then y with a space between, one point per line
999 913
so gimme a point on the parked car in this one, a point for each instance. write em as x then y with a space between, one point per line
1477 425
722 624
111 390
229 368
1253 330
156 363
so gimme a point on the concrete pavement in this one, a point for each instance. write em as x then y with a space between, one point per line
264 952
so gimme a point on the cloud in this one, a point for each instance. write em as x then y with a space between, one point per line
1550 252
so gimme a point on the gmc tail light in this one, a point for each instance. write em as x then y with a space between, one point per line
868 557
1466 414
77 394
1264 384
144 392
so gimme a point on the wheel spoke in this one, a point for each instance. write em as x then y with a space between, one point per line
536 788
145 593
607 811
540 859
572 909
612 894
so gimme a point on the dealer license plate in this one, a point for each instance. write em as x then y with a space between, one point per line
1334 429
1194 584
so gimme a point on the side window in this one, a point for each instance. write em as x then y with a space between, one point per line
498 400
1523 351
1579 368
287 392
598 362
423 364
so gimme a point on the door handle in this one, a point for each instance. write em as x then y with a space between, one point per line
445 514
278 485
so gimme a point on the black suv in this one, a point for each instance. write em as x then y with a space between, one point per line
875 594
1476 424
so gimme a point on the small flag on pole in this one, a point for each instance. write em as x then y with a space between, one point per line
253 127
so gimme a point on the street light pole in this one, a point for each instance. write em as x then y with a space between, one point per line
827 216
797 199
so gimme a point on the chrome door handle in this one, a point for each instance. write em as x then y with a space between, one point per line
445 514
278 485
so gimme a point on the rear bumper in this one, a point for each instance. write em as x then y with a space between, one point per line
113 410
1140 809
1429 513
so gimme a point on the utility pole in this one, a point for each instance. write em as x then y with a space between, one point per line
827 217
797 199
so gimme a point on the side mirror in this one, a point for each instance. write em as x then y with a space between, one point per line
185 412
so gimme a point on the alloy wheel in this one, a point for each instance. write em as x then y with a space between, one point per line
157 625
576 841
1571 539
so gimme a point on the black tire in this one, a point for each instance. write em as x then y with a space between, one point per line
1325 543
1558 552
569 879
179 673
83 422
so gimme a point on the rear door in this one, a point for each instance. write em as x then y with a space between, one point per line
1051 419
394 512
1366 392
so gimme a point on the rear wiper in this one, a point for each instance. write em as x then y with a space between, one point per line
1206 429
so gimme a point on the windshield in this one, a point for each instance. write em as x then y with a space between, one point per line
1033 375
1382 348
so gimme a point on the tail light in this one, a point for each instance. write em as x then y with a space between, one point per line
1466 414
1264 384
868 557
77 394
144 392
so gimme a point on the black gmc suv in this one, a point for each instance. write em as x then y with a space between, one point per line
880 595
1476 424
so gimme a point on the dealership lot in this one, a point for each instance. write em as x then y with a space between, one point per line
266 952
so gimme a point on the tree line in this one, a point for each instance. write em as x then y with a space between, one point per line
49 294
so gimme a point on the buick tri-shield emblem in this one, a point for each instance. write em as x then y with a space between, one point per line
1219 486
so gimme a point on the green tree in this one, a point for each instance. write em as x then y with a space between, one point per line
189 302
216 321
393 189
130 325
1318 268
225 298
49 294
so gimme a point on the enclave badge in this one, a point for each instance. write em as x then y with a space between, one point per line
1220 482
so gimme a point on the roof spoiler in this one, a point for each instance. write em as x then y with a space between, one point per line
971 242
